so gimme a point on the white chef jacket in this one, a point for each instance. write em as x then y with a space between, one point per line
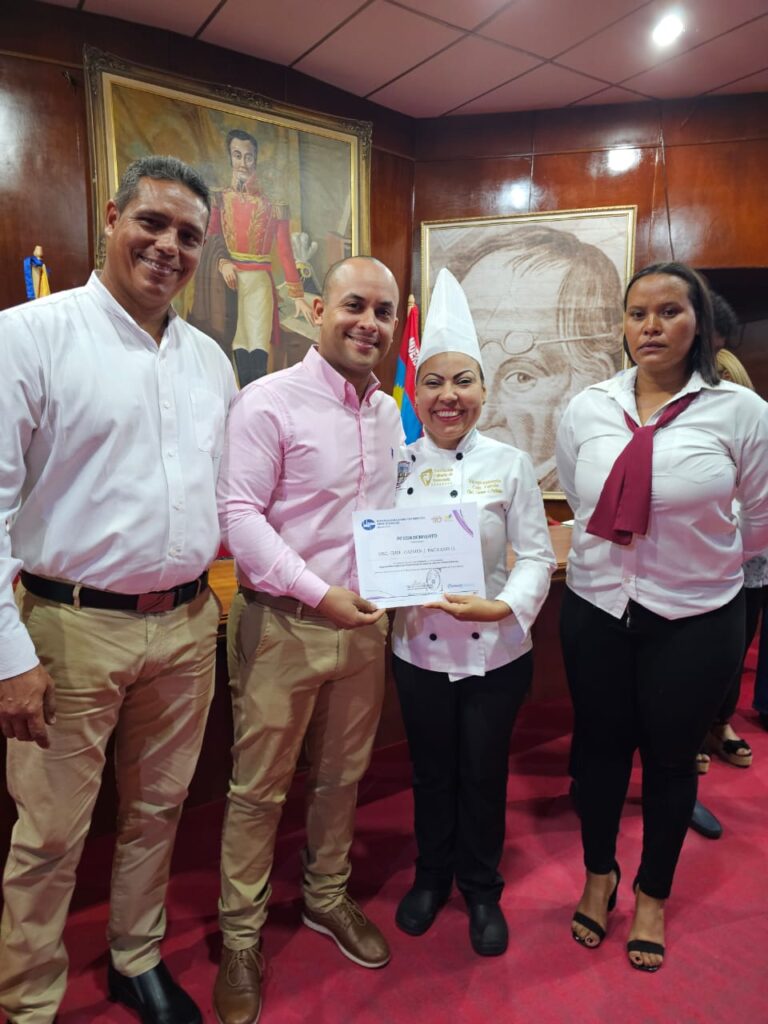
109 451
501 481
716 450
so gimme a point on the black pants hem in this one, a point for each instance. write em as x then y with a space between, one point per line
458 736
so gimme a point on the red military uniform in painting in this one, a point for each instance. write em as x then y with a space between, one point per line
250 225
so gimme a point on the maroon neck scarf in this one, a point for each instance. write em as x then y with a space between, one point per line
625 501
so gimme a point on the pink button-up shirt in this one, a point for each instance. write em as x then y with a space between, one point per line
302 453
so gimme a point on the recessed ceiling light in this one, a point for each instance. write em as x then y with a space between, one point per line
667 30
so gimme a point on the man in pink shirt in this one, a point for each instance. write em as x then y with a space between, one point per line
305 447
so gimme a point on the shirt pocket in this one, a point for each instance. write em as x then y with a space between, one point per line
208 419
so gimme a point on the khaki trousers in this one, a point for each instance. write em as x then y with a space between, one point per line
294 680
148 678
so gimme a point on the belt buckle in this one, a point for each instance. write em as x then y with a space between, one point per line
151 604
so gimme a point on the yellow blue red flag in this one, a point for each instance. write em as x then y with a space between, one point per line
404 390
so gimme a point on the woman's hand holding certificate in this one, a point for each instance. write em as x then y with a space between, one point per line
472 608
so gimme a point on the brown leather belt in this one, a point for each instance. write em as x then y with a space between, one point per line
288 605
88 597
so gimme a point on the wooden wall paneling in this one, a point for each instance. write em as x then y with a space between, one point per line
43 174
715 119
717 198
391 131
595 128
483 135
447 189
481 187
578 180
391 229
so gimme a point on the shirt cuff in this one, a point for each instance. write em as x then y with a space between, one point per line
309 588
17 653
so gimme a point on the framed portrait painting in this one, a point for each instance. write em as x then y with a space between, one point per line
290 193
545 290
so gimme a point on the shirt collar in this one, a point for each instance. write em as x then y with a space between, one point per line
346 393
466 444
109 303
624 382
622 389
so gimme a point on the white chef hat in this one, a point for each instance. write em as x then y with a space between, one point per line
449 326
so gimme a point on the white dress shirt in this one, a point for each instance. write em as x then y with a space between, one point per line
715 451
109 451
501 481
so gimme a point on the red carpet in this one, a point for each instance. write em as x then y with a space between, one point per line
717 926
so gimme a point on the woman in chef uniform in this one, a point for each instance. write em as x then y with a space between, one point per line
463 664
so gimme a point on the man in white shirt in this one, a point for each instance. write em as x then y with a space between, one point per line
113 412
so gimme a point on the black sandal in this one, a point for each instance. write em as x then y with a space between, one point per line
736 752
588 922
645 946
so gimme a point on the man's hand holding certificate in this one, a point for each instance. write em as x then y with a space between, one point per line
414 556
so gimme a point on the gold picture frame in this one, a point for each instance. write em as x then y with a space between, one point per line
310 171
546 294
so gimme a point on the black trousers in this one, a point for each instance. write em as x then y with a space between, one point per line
458 736
649 683
756 598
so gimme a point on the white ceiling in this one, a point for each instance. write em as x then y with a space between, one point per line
429 58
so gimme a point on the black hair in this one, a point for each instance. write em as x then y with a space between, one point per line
159 168
243 136
702 354
726 321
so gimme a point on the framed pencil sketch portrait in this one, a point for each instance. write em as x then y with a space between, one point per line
290 192
546 291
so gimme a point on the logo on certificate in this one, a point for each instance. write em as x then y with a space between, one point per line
368 524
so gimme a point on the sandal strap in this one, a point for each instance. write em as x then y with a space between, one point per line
737 746
587 922
645 946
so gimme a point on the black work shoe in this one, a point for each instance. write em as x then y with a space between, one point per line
704 822
154 995
487 929
418 909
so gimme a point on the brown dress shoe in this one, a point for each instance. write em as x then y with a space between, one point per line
237 992
356 936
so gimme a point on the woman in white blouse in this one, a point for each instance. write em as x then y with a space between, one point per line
463 664
653 616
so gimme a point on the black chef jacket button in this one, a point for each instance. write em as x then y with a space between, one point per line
459 455
409 491
475 636
413 458
454 494
433 636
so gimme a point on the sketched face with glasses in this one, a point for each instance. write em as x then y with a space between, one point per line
548 314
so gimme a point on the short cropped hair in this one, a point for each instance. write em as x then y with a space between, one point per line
335 267
160 168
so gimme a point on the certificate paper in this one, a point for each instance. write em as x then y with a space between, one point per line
411 556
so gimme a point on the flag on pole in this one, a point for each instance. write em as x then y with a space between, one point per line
405 377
